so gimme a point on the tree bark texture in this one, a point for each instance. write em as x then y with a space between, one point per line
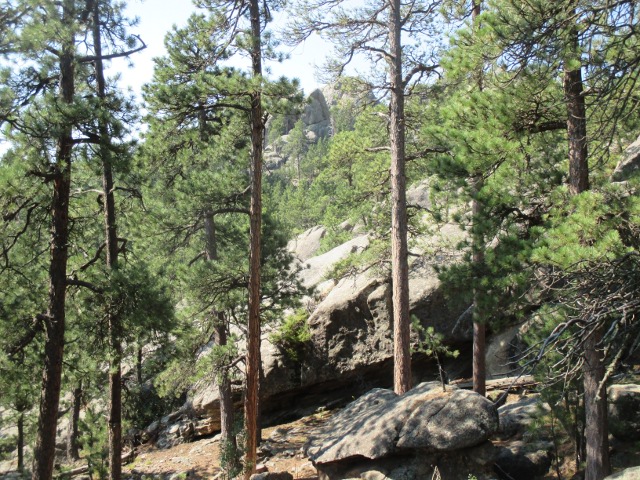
595 406
224 390
255 213
576 131
44 450
479 328
111 239
139 363
21 442
399 248
72 436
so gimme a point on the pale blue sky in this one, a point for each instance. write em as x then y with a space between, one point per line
158 16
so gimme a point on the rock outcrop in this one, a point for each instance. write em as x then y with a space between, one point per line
626 474
351 346
630 163
384 432
316 122
316 117
624 411
519 459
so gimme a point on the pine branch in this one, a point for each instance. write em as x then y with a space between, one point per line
93 58
81 283
37 325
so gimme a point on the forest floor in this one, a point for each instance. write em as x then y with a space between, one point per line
281 451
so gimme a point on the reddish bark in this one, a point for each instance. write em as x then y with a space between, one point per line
255 214
399 248
44 450
111 239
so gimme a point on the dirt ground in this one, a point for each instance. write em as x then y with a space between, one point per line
281 451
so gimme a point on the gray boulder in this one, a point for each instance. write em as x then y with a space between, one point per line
314 270
418 195
272 476
624 411
630 163
305 245
380 424
516 417
367 428
447 421
316 117
627 474
523 460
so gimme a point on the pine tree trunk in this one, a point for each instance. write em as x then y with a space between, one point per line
111 239
225 394
399 248
576 131
45 445
255 212
139 363
479 328
72 437
595 406
220 329
21 442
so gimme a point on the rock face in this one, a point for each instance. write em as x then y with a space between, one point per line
316 117
624 411
627 474
516 417
391 430
305 245
630 163
316 121
351 347
519 459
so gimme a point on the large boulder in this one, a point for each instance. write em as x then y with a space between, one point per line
316 117
630 163
392 429
305 245
627 474
313 271
516 417
530 460
624 411
446 421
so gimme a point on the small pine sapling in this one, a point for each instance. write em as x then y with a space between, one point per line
430 343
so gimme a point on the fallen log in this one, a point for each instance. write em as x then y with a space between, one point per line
126 458
505 383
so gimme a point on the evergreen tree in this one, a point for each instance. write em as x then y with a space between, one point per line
49 109
585 43
375 30
207 111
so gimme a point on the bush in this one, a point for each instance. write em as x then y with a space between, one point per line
293 334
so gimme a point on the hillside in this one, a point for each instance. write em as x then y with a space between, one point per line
427 269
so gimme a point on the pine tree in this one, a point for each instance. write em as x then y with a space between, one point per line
359 30
52 127
208 113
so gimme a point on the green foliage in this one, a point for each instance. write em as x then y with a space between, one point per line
293 335
230 455
430 343
215 362
587 228
142 404
94 442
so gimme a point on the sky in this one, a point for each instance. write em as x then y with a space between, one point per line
156 18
